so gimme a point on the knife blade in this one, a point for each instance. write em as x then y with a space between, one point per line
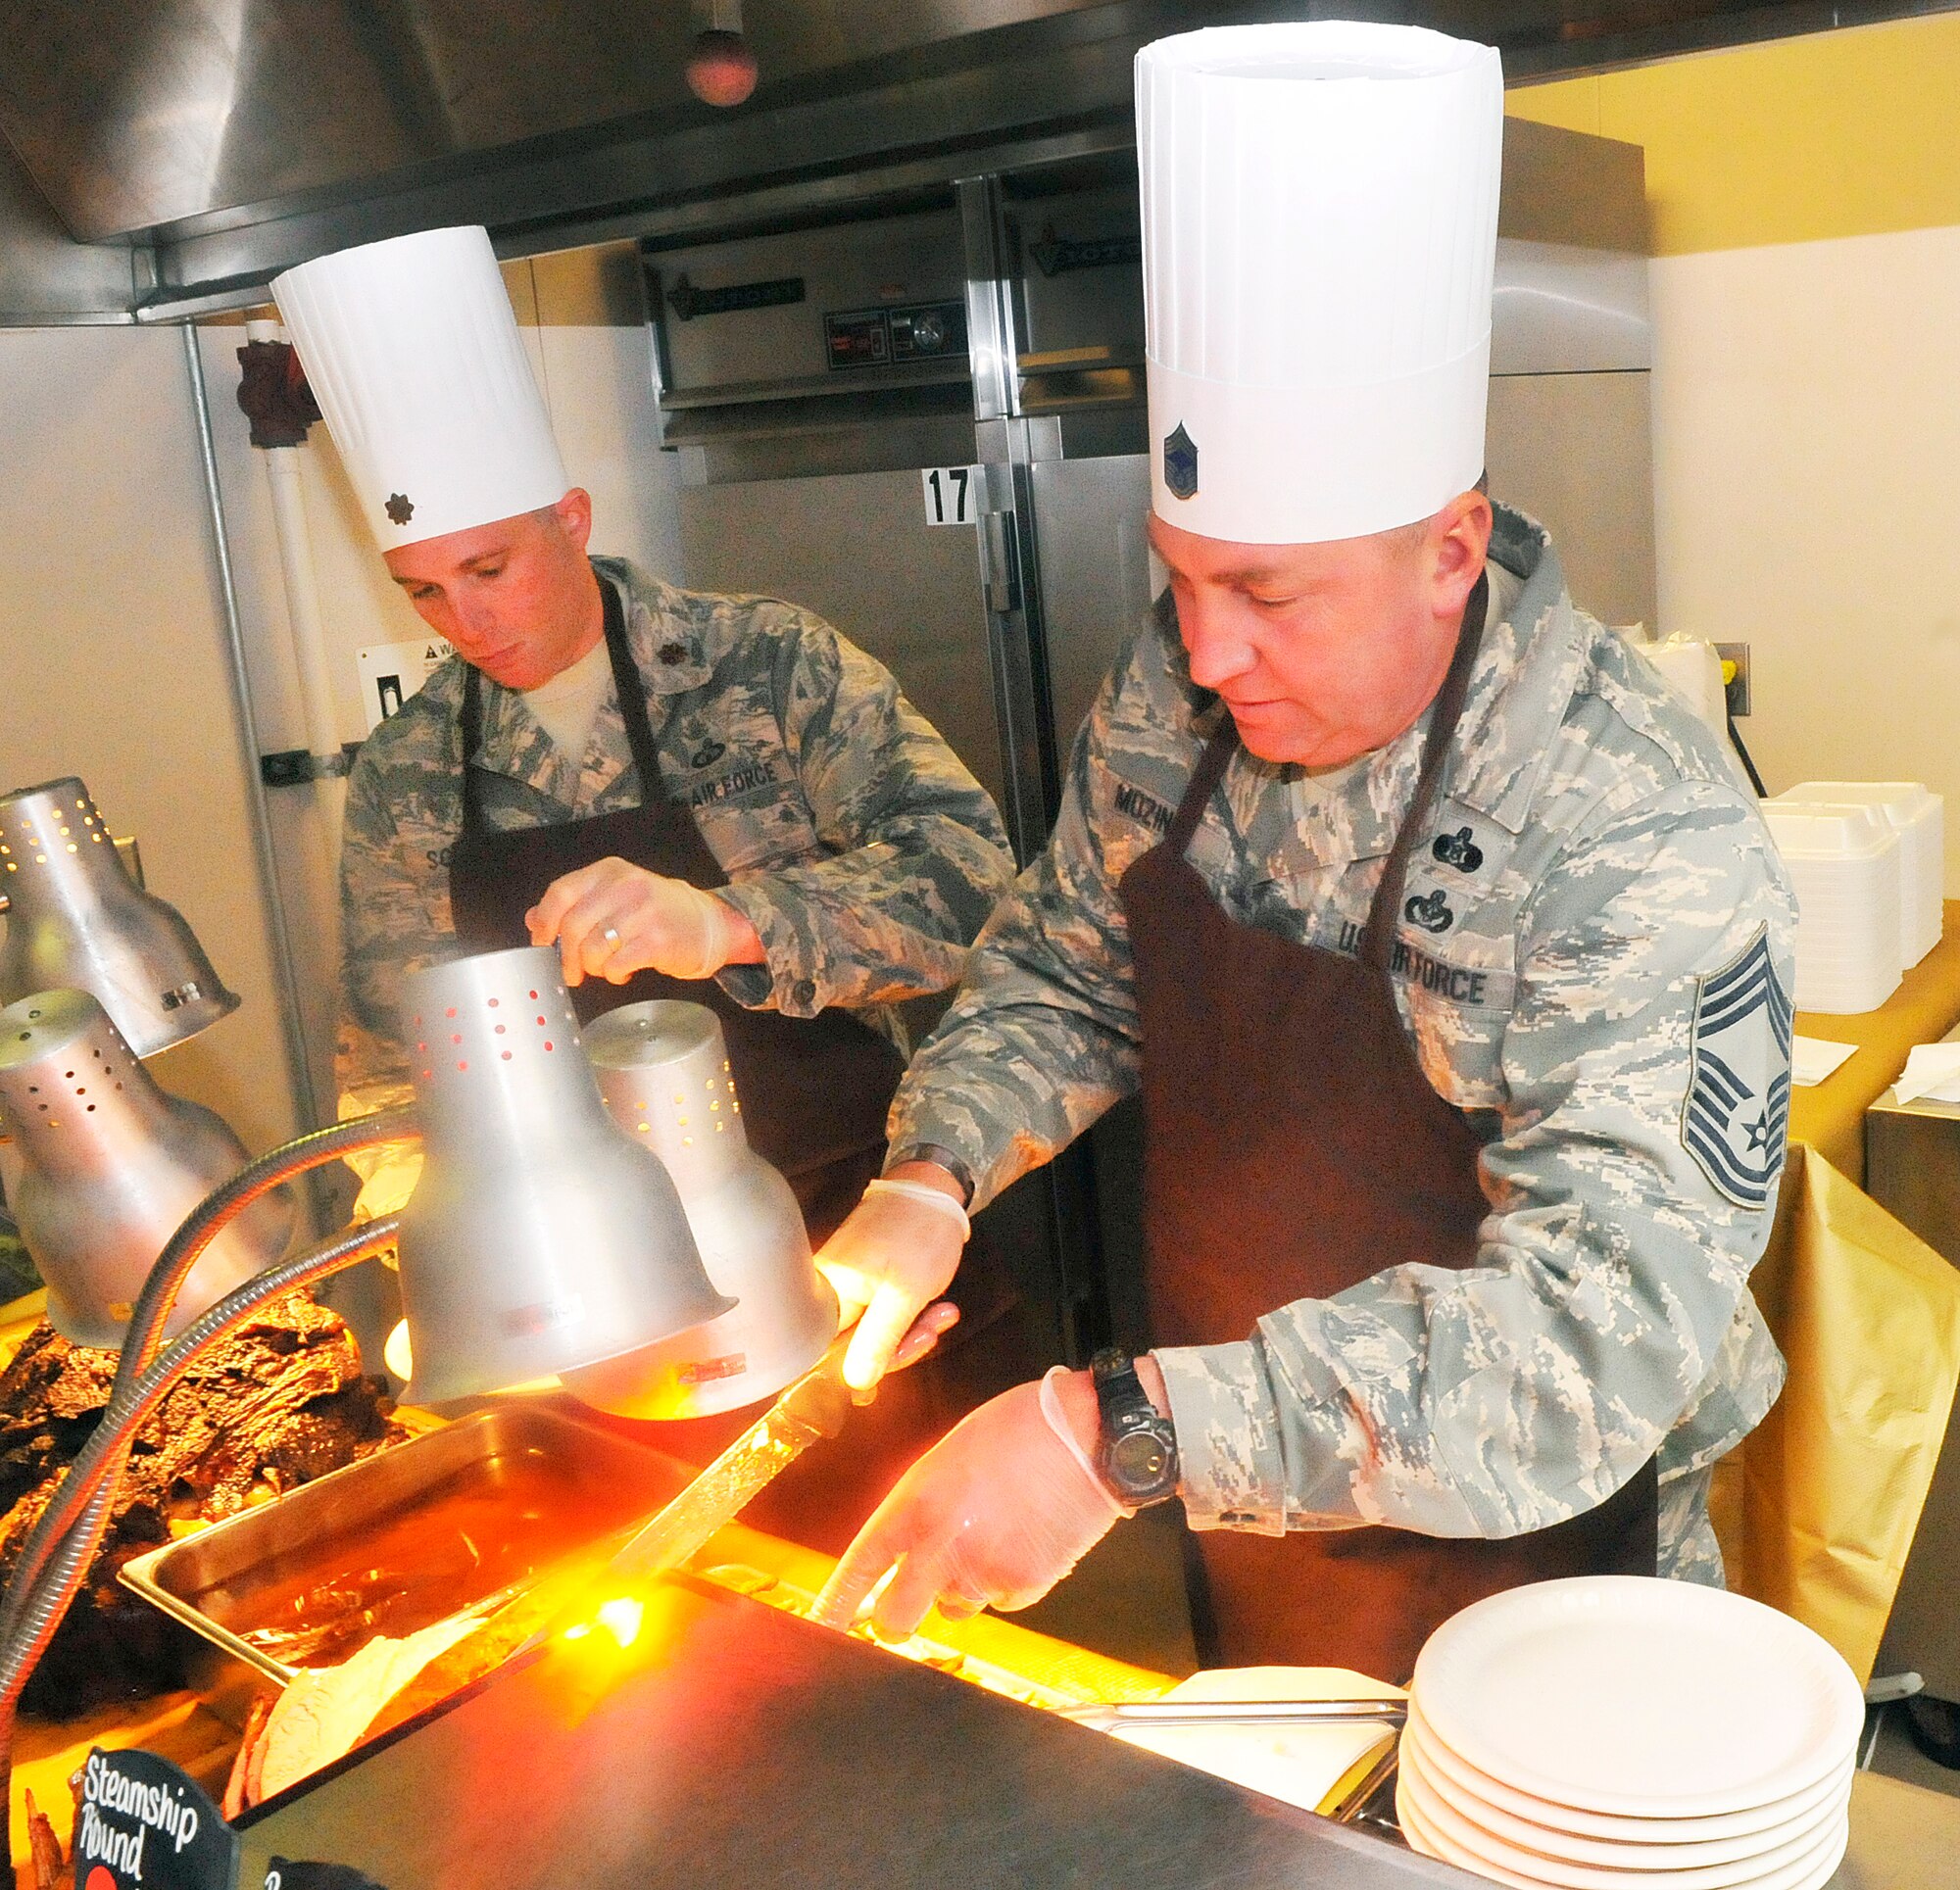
814 1407
1106 1716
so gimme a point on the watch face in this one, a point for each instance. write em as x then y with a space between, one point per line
1139 1460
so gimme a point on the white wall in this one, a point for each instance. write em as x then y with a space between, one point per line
1807 495
114 664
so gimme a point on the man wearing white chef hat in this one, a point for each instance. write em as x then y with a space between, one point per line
1447 954
607 754
706 798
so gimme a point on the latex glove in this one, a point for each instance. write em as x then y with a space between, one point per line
888 1262
994 1515
389 1170
388 1186
662 925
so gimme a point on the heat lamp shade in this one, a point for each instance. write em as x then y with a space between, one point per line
664 1071
540 1238
106 1167
75 920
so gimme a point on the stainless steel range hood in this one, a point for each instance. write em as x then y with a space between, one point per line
172 154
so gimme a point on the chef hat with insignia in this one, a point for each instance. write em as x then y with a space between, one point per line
413 353
1320 220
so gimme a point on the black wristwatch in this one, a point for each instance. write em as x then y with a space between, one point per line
1138 1450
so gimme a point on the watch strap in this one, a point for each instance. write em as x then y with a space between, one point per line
1119 1392
931 1151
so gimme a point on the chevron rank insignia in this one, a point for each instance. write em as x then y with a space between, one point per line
1180 463
1738 1106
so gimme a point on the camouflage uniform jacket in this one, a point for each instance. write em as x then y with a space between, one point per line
1593 881
858 845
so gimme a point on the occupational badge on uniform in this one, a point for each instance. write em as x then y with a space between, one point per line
707 755
400 508
1180 463
1737 1106
1430 911
1459 850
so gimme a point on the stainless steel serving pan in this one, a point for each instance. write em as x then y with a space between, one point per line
317 1534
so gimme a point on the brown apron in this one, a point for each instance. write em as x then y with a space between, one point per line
814 1095
1294 1149
814 1089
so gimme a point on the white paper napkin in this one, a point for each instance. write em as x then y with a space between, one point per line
1812 1060
1933 1071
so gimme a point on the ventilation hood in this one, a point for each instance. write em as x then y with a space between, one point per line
195 146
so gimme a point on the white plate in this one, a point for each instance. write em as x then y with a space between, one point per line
1812 1874
1640 1696
1631 1852
1614 1828
1797 1847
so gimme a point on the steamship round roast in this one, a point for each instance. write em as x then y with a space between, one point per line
281 1402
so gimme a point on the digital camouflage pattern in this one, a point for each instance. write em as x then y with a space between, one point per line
1689 1550
1592 862
859 848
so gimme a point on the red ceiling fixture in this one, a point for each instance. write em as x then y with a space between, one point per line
721 64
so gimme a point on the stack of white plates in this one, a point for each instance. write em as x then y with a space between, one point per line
1847 866
1588 1732
1919 818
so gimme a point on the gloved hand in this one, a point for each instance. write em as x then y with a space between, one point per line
994 1515
387 1187
659 924
390 1170
894 1255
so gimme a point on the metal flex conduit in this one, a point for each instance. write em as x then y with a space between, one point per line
58 1552
152 1311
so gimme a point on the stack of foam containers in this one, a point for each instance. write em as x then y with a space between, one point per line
1918 817
1845 862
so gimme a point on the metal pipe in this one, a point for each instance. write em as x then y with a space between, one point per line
299 1068
308 628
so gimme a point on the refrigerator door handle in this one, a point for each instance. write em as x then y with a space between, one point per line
999 566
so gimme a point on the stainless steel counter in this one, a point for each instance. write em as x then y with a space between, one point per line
734 1745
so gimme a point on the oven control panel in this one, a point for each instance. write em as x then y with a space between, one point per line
893 336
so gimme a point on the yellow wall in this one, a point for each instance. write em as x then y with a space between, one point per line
1806 383
1845 133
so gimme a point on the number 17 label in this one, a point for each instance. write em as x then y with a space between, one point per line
950 495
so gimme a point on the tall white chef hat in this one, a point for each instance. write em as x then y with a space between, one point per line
414 355
1320 220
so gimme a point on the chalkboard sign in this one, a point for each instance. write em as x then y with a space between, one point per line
144 1824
